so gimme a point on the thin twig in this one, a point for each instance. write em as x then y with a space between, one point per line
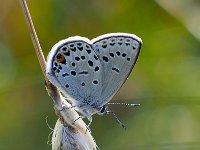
34 37
74 133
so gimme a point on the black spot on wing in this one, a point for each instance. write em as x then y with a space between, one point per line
73 73
54 68
95 57
95 82
88 51
80 48
67 53
87 46
96 68
105 58
104 46
73 49
64 49
83 72
111 54
118 53
115 69
82 57
112 44
60 67
71 45
123 55
90 63
77 58
73 64
79 44
58 56
65 74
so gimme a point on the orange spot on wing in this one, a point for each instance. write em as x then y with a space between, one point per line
61 59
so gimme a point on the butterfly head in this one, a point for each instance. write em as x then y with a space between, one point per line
103 110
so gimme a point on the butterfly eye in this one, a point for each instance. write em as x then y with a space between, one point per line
60 58
102 110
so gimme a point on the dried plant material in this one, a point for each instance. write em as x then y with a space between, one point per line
68 133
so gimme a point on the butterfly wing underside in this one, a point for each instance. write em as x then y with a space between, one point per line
89 73
75 69
118 53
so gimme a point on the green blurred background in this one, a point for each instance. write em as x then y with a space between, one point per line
165 80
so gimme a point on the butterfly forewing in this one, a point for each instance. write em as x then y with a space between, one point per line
118 54
76 70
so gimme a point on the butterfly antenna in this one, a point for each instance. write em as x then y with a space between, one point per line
117 119
126 104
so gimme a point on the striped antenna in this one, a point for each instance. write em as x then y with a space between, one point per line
126 104
117 119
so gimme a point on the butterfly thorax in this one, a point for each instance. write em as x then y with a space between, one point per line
88 107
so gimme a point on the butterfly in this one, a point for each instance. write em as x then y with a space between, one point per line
89 73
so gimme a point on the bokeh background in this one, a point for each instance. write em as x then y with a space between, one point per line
165 80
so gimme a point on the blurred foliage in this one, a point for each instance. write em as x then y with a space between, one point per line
165 79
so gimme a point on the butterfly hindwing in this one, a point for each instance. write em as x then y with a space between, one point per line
118 53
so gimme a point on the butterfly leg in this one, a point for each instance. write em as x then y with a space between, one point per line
64 108
87 126
80 117
90 121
